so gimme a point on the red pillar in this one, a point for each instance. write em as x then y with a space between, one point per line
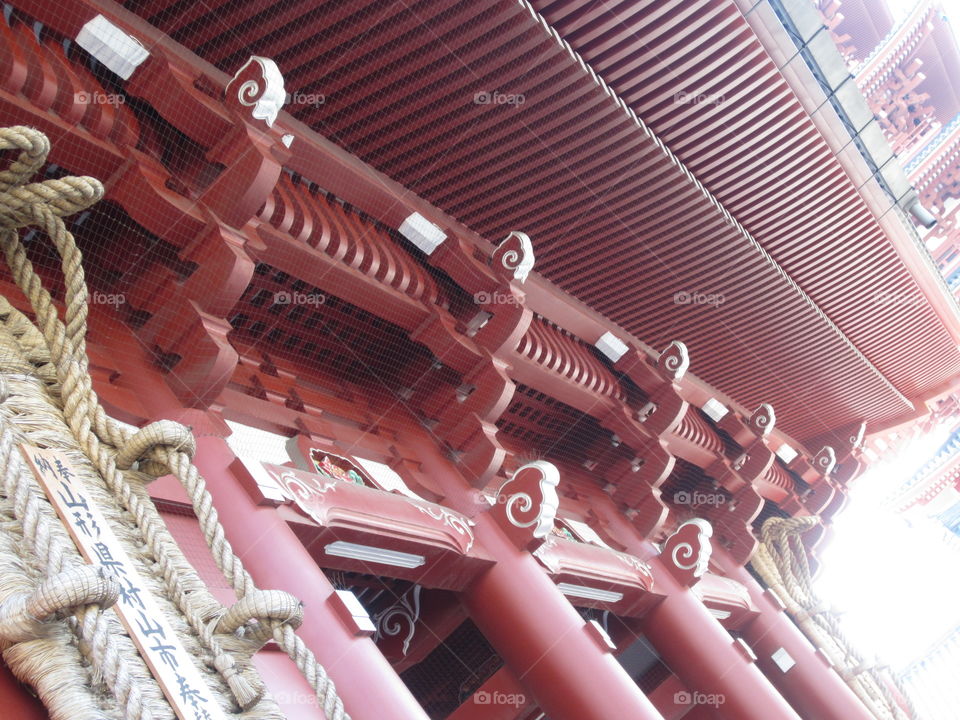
664 697
811 686
692 643
544 641
17 700
277 560
699 650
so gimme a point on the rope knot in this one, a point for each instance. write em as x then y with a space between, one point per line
260 612
246 693
30 204
154 444
33 146
22 616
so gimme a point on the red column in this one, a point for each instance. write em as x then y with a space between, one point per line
544 641
811 686
703 654
277 560
691 642
16 699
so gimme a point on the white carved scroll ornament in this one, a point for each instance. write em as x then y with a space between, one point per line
674 361
460 524
515 255
687 552
526 504
259 85
825 460
763 420
404 612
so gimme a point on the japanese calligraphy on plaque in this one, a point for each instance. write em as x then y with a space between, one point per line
171 665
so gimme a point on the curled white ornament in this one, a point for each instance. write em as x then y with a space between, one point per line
267 100
525 503
675 360
546 484
764 419
301 490
459 523
856 440
518 259
390 621
687 557
826 459
686 551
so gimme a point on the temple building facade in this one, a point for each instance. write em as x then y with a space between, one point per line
532 346
909 71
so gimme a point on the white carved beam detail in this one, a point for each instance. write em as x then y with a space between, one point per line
514 256
390 622
763 420
686 553
825 460
526 505
674 361
258 85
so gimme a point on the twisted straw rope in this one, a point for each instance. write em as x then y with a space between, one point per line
781 560
161 447
98 643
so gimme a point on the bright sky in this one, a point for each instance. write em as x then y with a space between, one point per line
900 8
897 584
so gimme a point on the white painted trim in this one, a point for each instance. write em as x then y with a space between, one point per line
589 593
783 659
786 453
611 346
715 410
369 553
422 233
119 51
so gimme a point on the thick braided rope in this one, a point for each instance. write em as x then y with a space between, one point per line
42 204
186 472
97 642
781 560
873 683
783 546
792 554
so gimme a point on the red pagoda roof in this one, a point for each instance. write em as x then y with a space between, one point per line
724 189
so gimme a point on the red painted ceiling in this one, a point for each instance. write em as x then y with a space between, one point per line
615 219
